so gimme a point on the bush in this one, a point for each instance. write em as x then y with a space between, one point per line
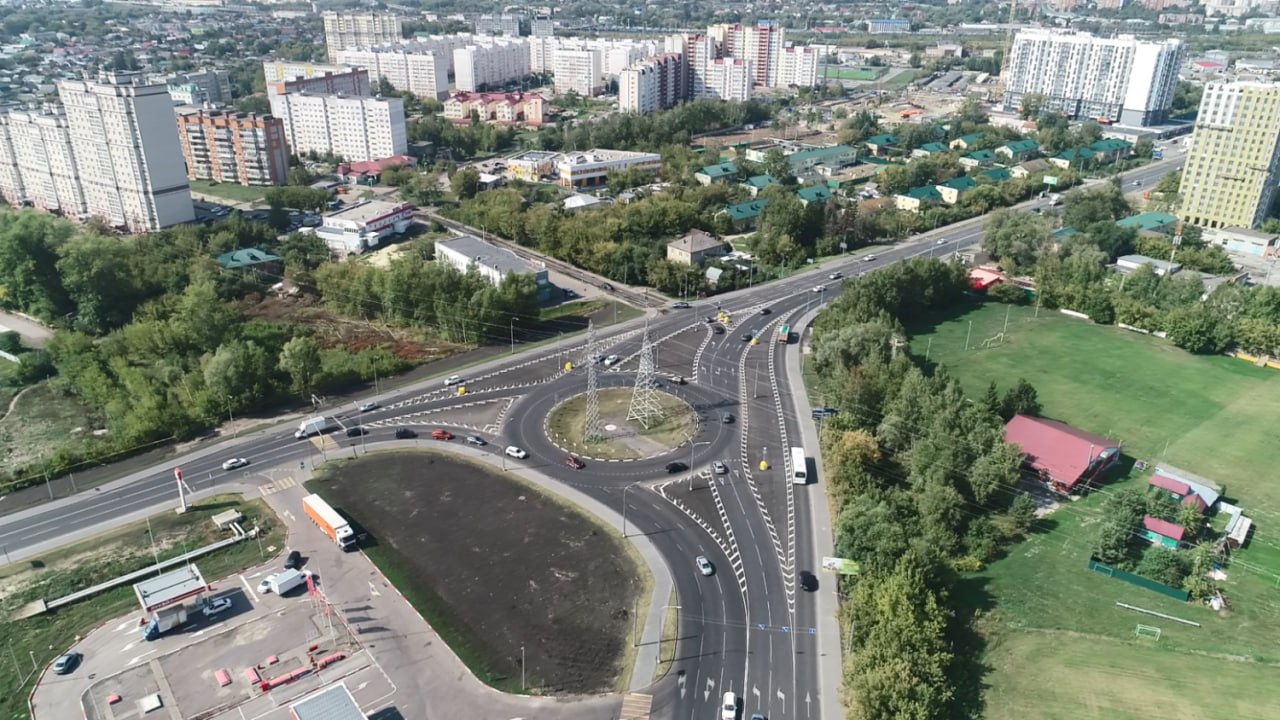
1008 293
10 342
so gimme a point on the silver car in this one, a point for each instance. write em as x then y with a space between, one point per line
718 467
704 565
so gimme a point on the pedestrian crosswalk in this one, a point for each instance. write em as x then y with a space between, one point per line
276 486
635 706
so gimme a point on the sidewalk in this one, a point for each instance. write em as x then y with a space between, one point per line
830 664
646 662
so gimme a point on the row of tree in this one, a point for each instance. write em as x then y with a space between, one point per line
924 487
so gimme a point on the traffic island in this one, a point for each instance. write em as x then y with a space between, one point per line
621 438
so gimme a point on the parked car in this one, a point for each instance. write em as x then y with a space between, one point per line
606 286
234 463
405 434
675 467
371 405
356 431
704 565
574 462
515 452
66 663
264 587
293 561
215 606
476 440
453 380
441 434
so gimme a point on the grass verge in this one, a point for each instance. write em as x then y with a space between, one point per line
670 631
39 639
228 191
630 439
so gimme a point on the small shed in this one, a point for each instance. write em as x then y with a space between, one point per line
1162 532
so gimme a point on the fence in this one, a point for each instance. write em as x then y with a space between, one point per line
1176 593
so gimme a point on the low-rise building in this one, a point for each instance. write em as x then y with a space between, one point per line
917 197
1019 150
1128 263
532 165
505 108
967 142
978 158
882 145
370 171
744 216
695 248
721 173
952 190
364 225
494 263
1151 222
332 703
754 184
1244 241
930 149
813 194
591 168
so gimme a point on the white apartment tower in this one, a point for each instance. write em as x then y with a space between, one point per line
730 79
761 45
1121 80
125 140
799 67
490 65
651 84
1233 166
353 128
505 24
351 30
423 72
542 26
37 164
579 71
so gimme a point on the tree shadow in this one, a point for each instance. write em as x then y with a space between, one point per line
968 671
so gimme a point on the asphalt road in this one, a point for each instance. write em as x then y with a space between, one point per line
745 629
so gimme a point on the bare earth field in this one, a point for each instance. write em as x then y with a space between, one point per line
494 566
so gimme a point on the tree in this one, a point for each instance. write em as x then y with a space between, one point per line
1022 512
1020 399
1032 106
1144 148
300 358
1162 565
994 472
1122 514
1008 293
1015 238
1105 203
465 183
777 165
10 342
101 278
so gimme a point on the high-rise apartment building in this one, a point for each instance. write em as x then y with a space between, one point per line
730 79
651 84
1233 166
37 164
346 82
196 88
353 128
231 147
542 26
482 67
281 70
353 30
423 72
578 71
1121 80
700 52
761 45
505 24
124 137
799 67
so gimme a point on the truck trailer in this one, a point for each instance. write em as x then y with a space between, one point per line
283 582
328 520
164 620
317 425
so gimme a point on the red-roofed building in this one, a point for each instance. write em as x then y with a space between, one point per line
506 108
1162 532
1066 459
1164 482
370 171
1197 501
982 279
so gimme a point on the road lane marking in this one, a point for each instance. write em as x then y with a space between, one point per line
249 588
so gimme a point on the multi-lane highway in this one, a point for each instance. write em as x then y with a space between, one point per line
750 627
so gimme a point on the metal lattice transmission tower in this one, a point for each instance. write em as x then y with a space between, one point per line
591 418
645 407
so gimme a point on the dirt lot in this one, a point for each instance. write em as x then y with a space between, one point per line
494 565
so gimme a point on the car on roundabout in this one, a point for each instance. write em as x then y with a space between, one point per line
574 462
441 434
369 406
66 663
234 463
356 431
476 440
405 434
675 467
516 452
719 468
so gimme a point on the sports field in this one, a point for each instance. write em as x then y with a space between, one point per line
1060 647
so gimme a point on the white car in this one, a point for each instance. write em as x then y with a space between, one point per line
612 360
819 288
869 258
941 241
729 707
368 406
515 452
234 463
836 275
704 565
264 587
453 380
718 467
215 606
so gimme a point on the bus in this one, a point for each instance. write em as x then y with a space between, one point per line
784 334
799 467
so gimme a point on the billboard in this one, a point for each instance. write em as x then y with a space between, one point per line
1050 179
840 566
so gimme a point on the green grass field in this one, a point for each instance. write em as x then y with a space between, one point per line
42 421
228 191
1046 614
833 72
902 79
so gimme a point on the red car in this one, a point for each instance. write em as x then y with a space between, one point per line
439 434
574 462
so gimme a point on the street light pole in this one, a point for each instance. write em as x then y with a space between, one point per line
511 327
522 674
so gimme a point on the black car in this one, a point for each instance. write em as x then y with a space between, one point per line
717 329
356 431
727 418
765 311
746 337
824 412
405 434
675 467
606 286
293 561
808 582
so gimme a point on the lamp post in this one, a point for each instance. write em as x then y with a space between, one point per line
693 445
511 327
522 667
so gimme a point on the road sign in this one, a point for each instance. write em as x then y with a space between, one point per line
841 566
1050 180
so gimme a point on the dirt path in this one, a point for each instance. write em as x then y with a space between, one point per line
14 402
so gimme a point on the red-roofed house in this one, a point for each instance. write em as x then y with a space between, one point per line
506 108
1161 532
370 171
982 279
1197 501
1066 459
1164 482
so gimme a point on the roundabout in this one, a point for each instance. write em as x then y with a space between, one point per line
622 435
